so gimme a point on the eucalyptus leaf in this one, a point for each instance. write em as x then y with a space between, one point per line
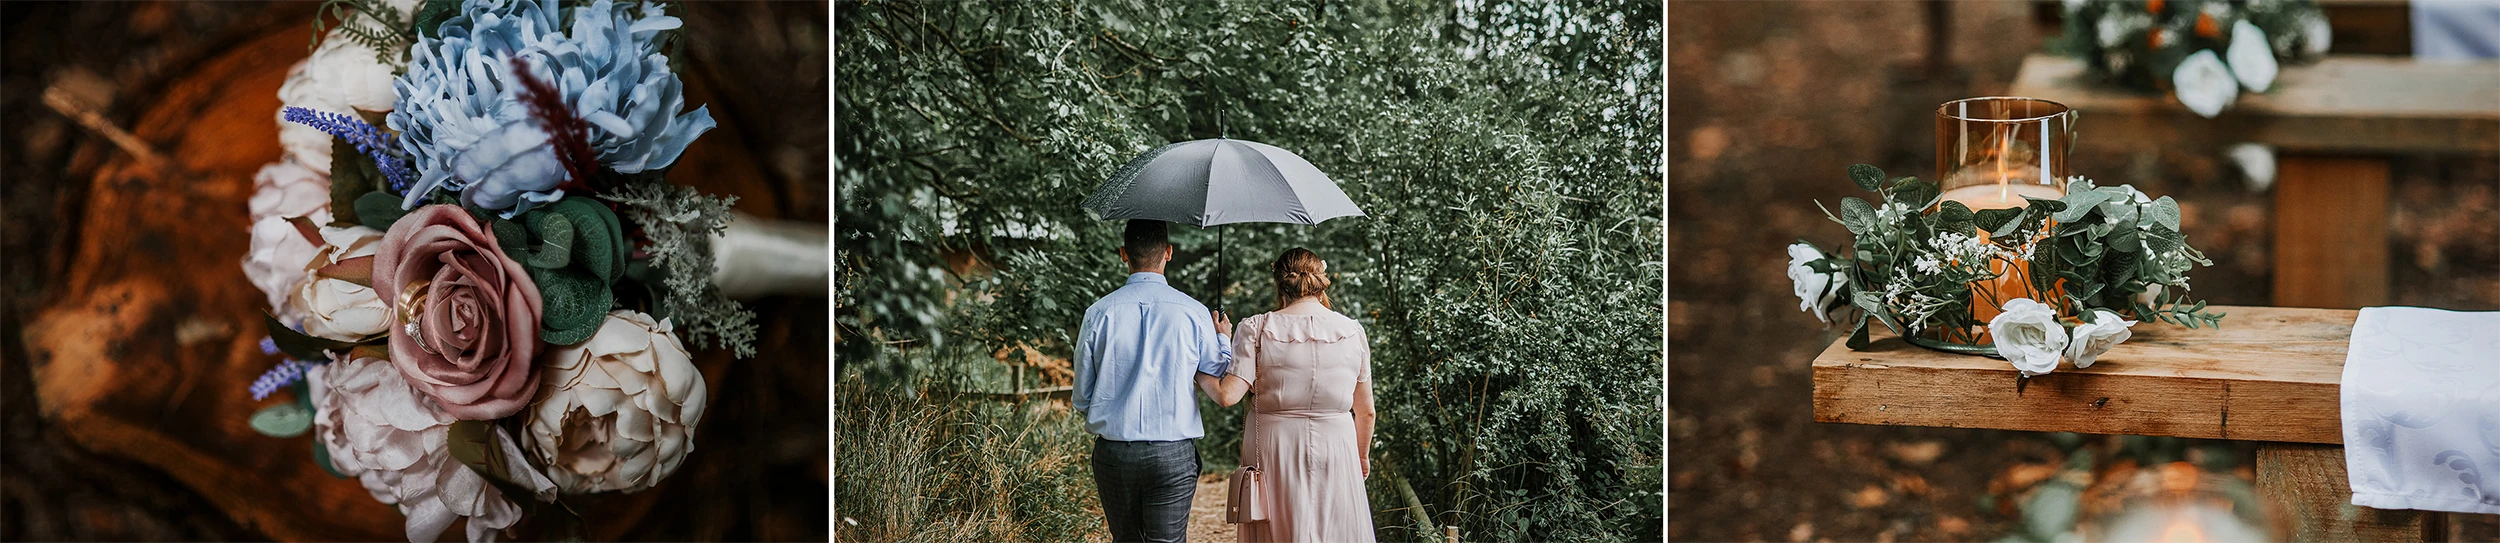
1867 176
2079 204
1874 305
1857 336
1915 193
1954 212
1857 215
378 210
2166 213
282 420
1997 220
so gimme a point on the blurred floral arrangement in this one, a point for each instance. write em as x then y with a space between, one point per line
2097 257
2204 52
470 238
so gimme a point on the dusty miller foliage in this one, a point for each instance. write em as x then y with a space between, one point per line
1507 157
680 221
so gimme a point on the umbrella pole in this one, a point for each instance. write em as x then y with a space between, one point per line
1218 280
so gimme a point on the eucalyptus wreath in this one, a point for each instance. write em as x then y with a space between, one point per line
2096 255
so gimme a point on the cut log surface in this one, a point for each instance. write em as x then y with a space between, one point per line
148 349
2339 104
2268 374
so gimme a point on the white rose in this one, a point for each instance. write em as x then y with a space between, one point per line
2093 338
1815 290
335 308
617 412
2320 35
287 189
2252 61
2027 334
276 262
395 441
2204 84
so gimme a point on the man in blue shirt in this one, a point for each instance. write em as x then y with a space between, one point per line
1136 357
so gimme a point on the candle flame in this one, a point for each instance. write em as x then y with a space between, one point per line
2182 530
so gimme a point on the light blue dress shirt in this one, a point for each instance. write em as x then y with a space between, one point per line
1137 355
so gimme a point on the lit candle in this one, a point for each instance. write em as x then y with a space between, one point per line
2013 278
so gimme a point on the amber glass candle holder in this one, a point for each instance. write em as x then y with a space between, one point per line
1992 153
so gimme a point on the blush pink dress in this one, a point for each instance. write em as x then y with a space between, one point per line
1302 371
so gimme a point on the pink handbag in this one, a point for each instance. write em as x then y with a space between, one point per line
1248 503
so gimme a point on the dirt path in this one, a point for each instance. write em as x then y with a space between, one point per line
1206 513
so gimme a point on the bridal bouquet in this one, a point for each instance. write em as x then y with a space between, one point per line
481 284
2101 259
2205 52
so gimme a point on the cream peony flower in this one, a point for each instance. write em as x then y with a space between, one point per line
276 261
395 441
2204 84
1815 290
2252 60
618 411
2091 339
287 189
2028 335
341 76
337 309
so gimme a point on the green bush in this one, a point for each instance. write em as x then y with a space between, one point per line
1507 158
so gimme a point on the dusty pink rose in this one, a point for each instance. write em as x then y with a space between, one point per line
464 315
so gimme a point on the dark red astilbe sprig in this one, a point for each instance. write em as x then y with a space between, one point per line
569 133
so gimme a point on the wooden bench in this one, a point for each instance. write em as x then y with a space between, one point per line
2335 124
2268 375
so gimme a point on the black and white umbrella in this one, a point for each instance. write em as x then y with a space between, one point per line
1220 181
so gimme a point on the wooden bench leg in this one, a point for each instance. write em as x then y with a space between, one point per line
2330 232
2305 488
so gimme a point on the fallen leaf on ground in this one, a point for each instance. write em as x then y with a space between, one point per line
1916 454
1870 496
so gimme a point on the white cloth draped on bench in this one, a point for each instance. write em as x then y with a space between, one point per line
2421 410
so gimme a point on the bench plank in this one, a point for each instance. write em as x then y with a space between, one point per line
2341 104
2269 374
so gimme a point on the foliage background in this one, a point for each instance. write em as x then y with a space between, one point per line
1506 155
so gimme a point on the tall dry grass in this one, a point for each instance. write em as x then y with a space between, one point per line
924 467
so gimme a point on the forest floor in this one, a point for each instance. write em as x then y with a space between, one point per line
1768 103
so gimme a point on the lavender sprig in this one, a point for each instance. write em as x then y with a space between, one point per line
367 138
279 377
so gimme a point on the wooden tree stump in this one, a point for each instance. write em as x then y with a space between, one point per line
152 339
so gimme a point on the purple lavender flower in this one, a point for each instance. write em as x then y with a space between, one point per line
367 138
279 377
268 345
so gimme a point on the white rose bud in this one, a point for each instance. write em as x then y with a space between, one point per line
2204 84
618 411
2252 60
1815 290
2091 339
335 308
2027 334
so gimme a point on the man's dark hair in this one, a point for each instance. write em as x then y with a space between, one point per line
1146 240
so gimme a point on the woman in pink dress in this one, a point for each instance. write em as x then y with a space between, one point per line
1308 371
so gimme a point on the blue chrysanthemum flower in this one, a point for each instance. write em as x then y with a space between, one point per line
462 117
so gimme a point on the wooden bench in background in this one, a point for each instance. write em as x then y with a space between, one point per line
2268 375
2335 124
